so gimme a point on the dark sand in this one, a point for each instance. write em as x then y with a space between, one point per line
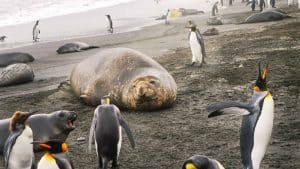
165 138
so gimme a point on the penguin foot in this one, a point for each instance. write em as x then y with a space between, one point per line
192 64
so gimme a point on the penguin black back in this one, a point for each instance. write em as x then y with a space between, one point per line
106 129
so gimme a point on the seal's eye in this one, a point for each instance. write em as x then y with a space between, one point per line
152 82
61 115
133 86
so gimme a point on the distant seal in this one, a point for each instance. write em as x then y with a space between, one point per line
74 47
273 14
134 80
211 32
15 57
16 74
56 126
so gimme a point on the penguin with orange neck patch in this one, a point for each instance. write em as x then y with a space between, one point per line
257 121
201 162
55 157
18 150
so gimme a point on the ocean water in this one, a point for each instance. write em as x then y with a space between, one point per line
14 12
67 19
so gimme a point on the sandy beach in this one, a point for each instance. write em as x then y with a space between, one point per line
166 138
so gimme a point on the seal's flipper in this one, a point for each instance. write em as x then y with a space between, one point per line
224 108
127 130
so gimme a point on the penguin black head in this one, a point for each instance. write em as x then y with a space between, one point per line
197 162
261 82
54 146
19 118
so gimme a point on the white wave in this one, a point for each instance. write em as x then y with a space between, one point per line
14 12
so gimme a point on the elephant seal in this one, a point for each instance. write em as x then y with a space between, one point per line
267 15
16 74
56 125
133 80
74 47
214 21
15 57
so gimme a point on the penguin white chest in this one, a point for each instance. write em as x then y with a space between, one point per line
195 48
263 131
47 162
120 140
21 155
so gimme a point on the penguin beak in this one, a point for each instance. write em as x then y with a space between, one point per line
261 82
45 146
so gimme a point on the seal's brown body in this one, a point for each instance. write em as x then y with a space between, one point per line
134 80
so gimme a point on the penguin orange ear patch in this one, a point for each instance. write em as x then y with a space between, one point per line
190 166
64 147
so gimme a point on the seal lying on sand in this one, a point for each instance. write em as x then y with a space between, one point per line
15 57
211 32
16 74
74 47
56 125
273 14
132 79
214 21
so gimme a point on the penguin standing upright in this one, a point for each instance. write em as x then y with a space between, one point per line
109 24
201 162
18 148
196 44
55 157
168 17
257 121
215 9
36 31
106 129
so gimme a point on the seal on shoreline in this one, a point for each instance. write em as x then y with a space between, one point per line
133 80
74 47
56 125
15 57
16 74
273 14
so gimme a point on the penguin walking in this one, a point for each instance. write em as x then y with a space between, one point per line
36 31
106 131
109 24
55 157
257 121
196 44
201 162
18 148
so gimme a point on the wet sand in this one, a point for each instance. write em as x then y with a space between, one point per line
165 138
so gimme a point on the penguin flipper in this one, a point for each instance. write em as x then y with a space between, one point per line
63 161
92 131
127 130
10 142
224 108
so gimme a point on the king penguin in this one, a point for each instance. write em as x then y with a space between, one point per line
55 157
36 31
196 44
110 24
106 129
257 121
18 148
201 162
